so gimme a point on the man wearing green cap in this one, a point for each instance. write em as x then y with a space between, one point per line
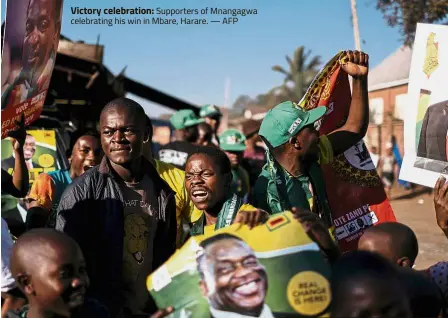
185 123
212 116
232 141
292 176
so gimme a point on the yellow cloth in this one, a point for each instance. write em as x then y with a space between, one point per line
186 212
325 150
208 229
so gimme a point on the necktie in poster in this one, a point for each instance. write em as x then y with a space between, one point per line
351 175
31 38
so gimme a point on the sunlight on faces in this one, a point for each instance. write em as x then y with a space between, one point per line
234 280
123 131
86 154
205 184
57 279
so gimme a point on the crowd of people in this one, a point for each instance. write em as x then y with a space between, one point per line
93 233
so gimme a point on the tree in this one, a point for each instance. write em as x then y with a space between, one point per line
407 13
302 70
242 102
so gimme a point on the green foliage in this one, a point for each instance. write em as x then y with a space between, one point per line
405 14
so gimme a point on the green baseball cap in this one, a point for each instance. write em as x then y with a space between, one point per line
286 120
232 140
185 118
209 111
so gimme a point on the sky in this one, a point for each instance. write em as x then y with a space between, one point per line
193 62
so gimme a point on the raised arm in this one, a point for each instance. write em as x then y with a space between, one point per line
18 184
355 127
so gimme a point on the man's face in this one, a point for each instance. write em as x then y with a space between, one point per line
86 154
308 139
191 133
40 33
374 297
235 157
60 279
29 148
205 184
122 135
234 279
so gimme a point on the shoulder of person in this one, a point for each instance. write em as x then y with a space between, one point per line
82 187
93 308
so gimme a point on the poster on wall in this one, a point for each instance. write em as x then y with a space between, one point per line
39 151
426 124
31 38
273 270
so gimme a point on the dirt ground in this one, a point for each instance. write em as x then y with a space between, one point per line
416 210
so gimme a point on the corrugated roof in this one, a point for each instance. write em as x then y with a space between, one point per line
392 71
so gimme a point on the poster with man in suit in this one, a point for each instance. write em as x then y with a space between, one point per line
426 124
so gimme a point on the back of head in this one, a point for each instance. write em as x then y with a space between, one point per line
402 243
365 284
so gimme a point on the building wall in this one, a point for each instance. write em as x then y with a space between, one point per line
391 124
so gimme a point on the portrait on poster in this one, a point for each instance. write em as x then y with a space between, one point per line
32 29
426 124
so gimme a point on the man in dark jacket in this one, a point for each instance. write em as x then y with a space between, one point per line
121 213
432 144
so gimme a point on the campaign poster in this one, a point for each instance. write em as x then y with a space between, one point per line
273 270
31 38
351 175
426 121
39 151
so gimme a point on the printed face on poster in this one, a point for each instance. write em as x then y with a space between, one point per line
426 124
32 29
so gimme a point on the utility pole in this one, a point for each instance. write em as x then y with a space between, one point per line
355 25
227 92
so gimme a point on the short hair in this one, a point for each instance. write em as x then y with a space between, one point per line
403 239
218 156
78 134
126 103
209 241
56 12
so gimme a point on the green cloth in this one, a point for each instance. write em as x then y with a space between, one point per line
232 140
284 191
185 118
286 120
225 217
240 182
210 110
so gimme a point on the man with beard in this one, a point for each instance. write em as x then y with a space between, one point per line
29 149
233 281
185 123
212 116
43 24
121 213
292 176
47 190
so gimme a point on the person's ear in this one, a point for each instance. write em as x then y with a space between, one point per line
404 262
146 136
295 142
24 282
203 287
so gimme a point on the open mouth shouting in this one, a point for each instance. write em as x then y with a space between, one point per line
199 195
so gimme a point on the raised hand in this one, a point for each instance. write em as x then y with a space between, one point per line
357 65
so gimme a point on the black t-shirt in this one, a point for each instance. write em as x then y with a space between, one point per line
176 153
